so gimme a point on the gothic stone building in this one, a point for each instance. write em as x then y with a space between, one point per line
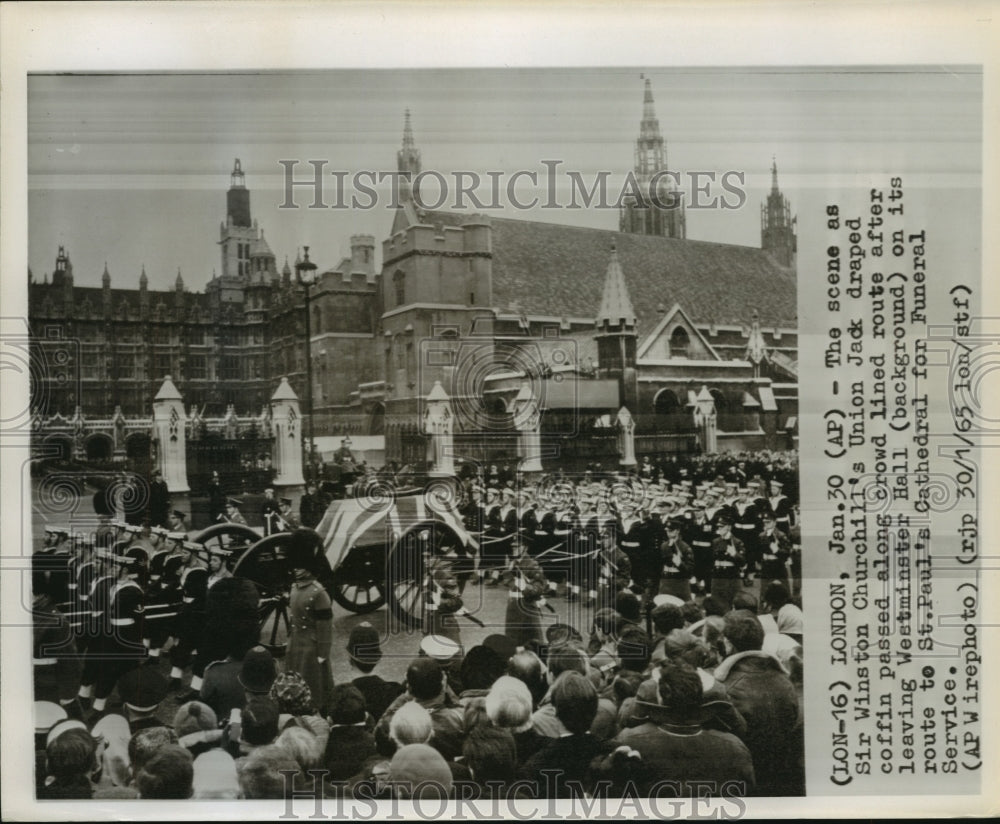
585 321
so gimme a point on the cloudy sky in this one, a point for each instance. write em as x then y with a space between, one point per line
132 169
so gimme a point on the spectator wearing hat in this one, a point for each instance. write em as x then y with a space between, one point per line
167 775
146 742
232 514
508 707
262 774
419 771
142 690
257 672
350 745
730 562
364 652
677 562
214 777
676 748
426 683
71 762
197 727
310 621
787 615
764 695
562 768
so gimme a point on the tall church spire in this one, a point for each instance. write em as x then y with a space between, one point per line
652 208
408 162
777 224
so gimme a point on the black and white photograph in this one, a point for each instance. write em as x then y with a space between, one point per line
431 435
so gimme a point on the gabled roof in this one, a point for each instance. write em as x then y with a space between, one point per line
675 310
551 269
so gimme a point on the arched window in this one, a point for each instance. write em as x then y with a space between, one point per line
399 282
679 342
666 403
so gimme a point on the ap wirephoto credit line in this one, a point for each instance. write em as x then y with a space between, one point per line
601 441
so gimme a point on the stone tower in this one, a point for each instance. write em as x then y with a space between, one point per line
408 163
658 208
616 334
777 224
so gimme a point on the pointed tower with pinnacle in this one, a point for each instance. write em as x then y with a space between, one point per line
408 163
616 333
777 224
238 234
658 208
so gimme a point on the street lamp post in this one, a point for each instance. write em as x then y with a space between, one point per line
305 272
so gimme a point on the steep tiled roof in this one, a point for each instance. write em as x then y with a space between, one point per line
549 269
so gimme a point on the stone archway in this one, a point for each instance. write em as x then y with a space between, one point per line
58 447
99 447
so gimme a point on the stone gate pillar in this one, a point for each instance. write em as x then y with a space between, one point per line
169 435
438 423
286 421
527 421
626 437
705 420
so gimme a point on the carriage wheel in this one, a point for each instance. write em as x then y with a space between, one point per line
406 568
266 564
230 538
358 585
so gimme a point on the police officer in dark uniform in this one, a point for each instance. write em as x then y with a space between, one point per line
747 526
775 548
677 559
730 562
700 537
